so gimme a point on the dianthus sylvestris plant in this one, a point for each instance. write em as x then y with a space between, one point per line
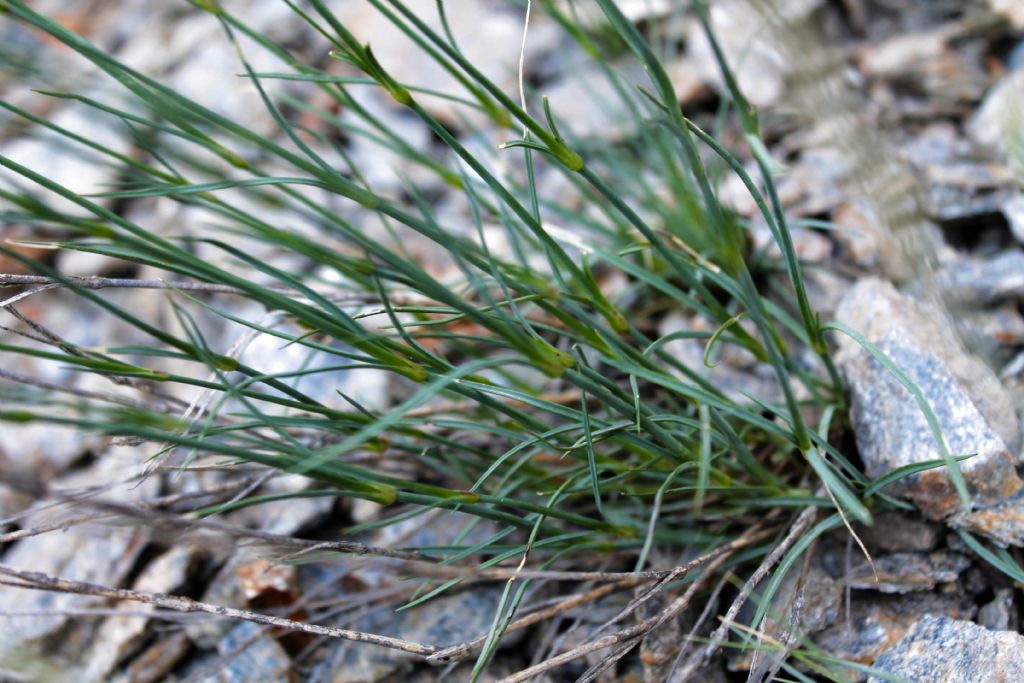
531 383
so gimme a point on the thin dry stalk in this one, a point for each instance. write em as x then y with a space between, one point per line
611 660
802 523
709 606
62 525
459 652
634 634
40 581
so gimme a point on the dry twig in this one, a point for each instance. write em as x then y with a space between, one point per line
39 581
802 523
634 634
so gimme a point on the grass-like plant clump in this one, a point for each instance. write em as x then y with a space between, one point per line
534 390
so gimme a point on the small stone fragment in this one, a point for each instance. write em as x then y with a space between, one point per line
223 589
1003 523
586 100
813 185
751 45
817 607
52 157
39 448
877 622
659 650
156 661
1011 9
938 649
246 654
1000 112
810 246
986 281
489 37
997 327
926 62
860 239
894 532
906 572
273 588
962 189
737 375
266 585
119 635
902 54
803 605
584 626
959 184
976 580
825 289
448 620
88 553
1001 613
1013 211
497 670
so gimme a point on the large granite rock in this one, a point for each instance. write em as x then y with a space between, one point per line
974 411
938 649
877 622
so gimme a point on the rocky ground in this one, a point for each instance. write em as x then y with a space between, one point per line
904 161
